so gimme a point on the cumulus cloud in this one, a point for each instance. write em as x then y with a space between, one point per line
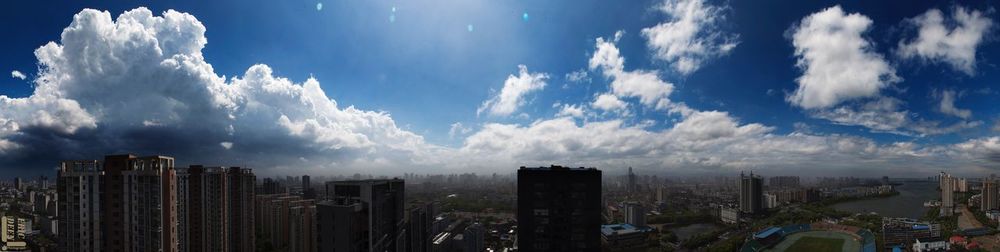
947 105
578 76
457 129
838 63
690 36
512 96
139 83
885 115
576 111
609 102
952 40
643 84
18 75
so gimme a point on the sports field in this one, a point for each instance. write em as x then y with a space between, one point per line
818 241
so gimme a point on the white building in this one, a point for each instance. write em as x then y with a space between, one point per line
932 244
635 214
770 201
729 215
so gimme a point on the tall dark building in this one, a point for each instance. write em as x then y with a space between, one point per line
559 209
381 204
307 190
632 186
418 227
138 204
78 189
241 183
751 193
207 214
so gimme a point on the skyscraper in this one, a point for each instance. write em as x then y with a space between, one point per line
632 187
381 203
280 219
78 189
990 195
559 209
751 194
947 194
635 214
241 183
207 211
418 227
138 208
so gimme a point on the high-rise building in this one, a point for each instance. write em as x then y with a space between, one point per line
418 227
751 194
302 228
635 214
990 195
78 189
207 219
632 187
341 226
138 204
559 209
43 182
282 221
474 237
183 209
382 205
241 208
947 194
307 189
18 184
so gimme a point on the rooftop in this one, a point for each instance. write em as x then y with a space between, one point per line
622 229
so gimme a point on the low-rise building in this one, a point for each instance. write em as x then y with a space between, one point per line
729 215
930 245
625 237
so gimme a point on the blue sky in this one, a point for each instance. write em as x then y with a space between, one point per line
431 64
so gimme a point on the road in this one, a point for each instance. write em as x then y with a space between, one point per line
967 220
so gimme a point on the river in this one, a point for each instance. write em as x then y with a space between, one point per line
909 203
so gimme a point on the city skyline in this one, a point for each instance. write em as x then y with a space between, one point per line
680 87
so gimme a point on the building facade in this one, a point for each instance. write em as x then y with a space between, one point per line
78 205
559 209
751 194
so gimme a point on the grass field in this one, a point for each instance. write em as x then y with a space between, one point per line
817 244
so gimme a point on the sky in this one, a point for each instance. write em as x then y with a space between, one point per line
672 87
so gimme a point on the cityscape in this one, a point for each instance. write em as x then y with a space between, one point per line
499 126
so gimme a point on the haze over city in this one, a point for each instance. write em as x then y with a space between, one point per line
388 87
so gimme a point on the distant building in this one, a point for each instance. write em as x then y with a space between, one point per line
559 209
18 184
784 182
632 186
729 215
78 189
930 245
990 195
625 237
770 201
635 214
382 210
947 194
751 194
903 232
276 218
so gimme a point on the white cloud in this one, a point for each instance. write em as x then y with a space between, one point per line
838 63
952 40
646 85
457 129
576 111
578 76
690 36
947 106
884 115
609 102
18 75
139 83
511 97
